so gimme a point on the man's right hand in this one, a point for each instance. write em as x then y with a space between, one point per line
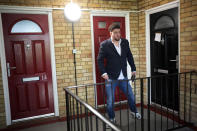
105 76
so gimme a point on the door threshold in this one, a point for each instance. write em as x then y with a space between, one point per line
33 117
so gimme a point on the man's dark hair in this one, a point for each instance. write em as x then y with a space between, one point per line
113 26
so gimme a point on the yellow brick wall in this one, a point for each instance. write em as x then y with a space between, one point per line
135 49
64 56
188 51
63 48
63 41
188 34
99 4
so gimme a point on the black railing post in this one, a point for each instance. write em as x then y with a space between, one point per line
86 111
67 112
190 97
185 96
91 127
127 108
71 118
179 90
148 111
167 98
96 123
81 117
161 97
135 102
104 126
120 102
142 103
86 119
104 94
155 100
74 114
113 94
77 106
173 96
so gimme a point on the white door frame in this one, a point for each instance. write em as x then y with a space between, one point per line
27 10
148 13
127 29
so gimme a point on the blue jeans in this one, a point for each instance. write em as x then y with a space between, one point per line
110 87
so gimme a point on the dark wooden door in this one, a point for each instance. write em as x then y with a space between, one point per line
28 60
164 57
101 33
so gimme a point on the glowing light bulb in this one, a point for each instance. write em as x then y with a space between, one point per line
72 11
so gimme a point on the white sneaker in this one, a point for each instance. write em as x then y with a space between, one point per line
137 115
112 120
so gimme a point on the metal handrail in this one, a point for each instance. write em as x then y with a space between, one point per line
141 85
158 76
94 111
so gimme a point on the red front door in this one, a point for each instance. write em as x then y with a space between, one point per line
101 33
28 60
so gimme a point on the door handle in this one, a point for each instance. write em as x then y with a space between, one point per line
162 71
176 60
9 68
173 60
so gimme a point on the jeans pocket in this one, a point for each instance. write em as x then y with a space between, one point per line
108 82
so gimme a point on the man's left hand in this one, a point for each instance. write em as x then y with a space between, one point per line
133 76
134 73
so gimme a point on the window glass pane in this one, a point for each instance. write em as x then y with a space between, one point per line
164 22
117 23
26 26
102 25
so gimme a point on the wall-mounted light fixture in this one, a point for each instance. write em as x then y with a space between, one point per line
73 13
